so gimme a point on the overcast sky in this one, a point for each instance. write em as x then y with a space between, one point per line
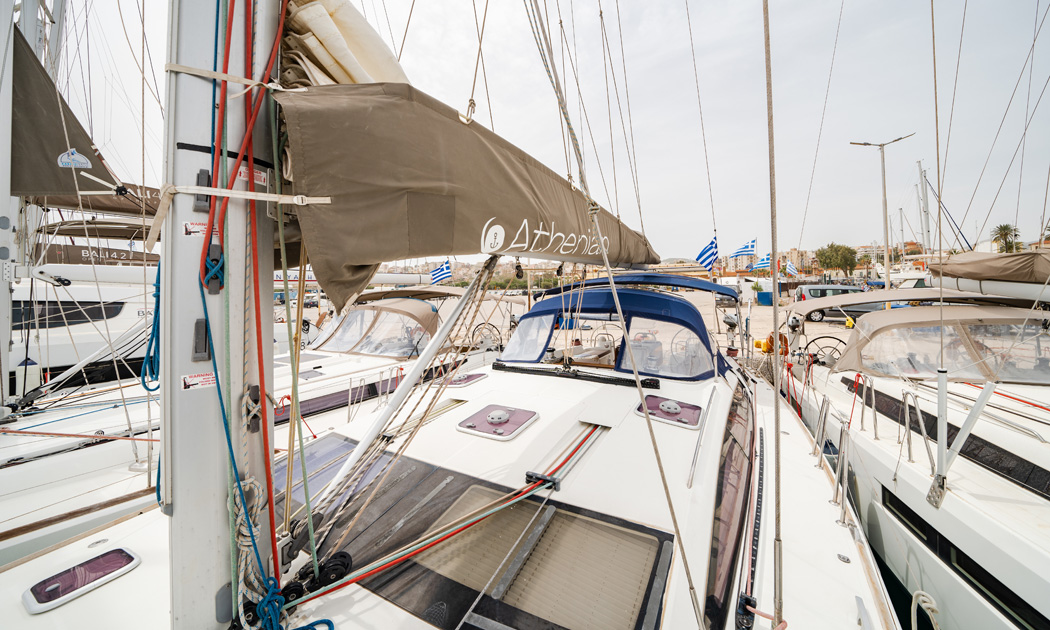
881 88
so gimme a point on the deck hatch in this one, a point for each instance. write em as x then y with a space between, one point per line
674 412
498 422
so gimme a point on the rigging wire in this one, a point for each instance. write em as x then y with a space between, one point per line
1009 166
703 131
480 30
477 59
1028 99
1020 76
820 128
955 87
630 119
778 566
628 141
940 208
408 23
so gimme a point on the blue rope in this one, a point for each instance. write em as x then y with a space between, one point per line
313 625
157 485
229 439
151 361
213 270
269 607
64 418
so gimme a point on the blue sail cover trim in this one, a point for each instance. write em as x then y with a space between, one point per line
657 279
635 303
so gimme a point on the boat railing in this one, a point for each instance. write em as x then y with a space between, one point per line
910 401
821 429
867 397
841 473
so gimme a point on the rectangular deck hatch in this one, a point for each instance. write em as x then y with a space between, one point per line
75 581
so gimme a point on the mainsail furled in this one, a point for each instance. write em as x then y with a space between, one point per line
51 152
409 178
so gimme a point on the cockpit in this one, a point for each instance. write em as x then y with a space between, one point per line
666 334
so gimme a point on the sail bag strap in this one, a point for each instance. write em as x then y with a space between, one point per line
168 191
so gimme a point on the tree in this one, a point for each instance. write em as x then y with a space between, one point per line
1006 236
835 256
866 261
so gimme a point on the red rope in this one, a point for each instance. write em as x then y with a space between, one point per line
401 559
1016 399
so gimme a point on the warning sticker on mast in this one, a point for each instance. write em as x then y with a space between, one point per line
196 381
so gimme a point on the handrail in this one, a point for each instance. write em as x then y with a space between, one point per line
865 396
909 400
841 474
820 433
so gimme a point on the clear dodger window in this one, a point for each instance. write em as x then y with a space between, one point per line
529 340
666 349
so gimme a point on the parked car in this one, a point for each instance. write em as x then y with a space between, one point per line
813 291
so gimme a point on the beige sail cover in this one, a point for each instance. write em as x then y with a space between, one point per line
43 130
1031 266
409 179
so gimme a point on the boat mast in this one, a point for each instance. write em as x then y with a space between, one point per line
195 461
924 209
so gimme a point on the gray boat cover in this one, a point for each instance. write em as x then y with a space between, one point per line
409 179
45 162
1032 267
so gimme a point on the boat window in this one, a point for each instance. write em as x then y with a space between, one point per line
352 327
529 341
1010 604
913 352
1018 353
666 349
382 333
731 498
393 335
1010 352
34 315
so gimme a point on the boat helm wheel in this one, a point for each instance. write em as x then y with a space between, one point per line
603 339
486 336
825 350
683 345
607 334
816 316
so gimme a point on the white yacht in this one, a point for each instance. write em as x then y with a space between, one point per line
961 519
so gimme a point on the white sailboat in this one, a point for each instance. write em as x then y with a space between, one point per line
622 483
956 520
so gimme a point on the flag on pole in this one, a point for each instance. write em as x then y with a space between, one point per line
762 264
443 272
791 269
747 249
709 254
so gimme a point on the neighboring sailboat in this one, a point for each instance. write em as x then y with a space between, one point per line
953 518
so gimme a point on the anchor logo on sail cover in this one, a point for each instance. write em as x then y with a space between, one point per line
492 237
72 159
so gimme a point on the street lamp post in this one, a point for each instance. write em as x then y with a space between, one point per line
885 211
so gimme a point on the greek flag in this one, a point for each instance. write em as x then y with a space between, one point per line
762 264
443 272
709 254
791 270
747 249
